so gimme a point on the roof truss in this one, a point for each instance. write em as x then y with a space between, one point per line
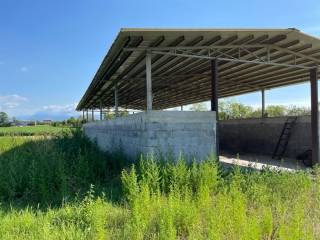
181 70
218 52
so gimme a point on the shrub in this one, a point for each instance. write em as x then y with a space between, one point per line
63 187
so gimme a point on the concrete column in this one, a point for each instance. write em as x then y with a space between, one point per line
116 100
148 82
87 116
181 108
214 98
100 110
82 115
262 103
92 114
314 116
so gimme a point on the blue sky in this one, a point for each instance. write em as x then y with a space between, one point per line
50 50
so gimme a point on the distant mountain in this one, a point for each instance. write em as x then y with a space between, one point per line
45 115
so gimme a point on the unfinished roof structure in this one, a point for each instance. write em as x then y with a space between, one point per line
248 60
153 69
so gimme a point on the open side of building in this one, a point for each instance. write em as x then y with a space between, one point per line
155 69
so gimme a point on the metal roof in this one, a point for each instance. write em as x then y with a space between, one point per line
249 60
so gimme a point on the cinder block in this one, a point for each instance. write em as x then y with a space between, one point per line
163 133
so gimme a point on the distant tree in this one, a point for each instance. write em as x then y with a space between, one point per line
256 113
123 113
298 111
234 110
198 107
112 114
109 115
74 122
56 123
239 110
71 120
223 114
276 111
4 119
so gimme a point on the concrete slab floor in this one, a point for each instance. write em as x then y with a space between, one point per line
259 162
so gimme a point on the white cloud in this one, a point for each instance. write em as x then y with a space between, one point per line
68 108
54 112
24 69
11 101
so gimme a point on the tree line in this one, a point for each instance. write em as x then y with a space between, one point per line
227 110
236 110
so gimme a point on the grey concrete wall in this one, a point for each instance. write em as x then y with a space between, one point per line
261 135
157 132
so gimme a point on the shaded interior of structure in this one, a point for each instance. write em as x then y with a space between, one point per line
256 140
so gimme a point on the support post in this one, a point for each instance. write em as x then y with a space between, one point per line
214 98
314 116
148 82
82 115
116 100
100 110
181 108
263 104
87 116
92 115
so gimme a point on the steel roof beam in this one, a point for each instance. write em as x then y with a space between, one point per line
155 59
231 59
234 46
222 42
204 63
137 61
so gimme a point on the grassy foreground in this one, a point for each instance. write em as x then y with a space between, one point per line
39 130
62 187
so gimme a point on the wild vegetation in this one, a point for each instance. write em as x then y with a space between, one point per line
39 130
63 187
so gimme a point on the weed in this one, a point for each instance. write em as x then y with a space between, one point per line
62 187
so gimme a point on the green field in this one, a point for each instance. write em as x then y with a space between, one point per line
63 187
31 130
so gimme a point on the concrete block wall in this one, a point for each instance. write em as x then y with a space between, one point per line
157 132
261 135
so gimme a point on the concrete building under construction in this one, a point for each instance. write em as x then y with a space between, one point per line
155 69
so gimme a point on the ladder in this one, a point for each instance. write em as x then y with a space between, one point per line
284 138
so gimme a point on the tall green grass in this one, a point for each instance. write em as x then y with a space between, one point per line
63 187
198 201
39 130
46 170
